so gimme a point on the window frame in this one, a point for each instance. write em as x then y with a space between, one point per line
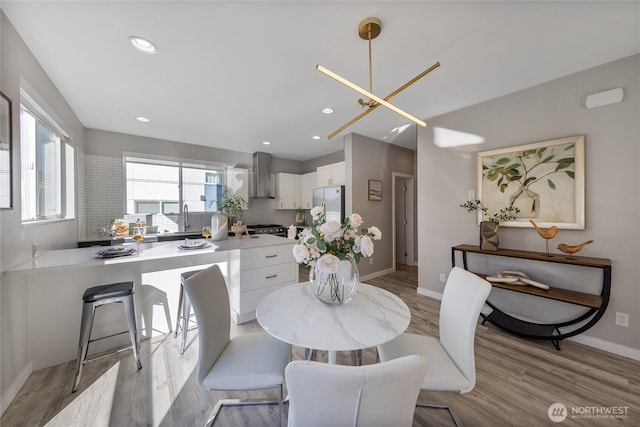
66 170
180 163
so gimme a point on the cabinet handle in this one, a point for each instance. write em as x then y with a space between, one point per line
271 277
270 256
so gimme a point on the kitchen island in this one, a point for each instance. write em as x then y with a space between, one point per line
56 280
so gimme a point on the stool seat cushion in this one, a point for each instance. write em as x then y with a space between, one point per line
113 290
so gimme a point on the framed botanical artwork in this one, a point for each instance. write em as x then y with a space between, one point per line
375 190
6 199
544 180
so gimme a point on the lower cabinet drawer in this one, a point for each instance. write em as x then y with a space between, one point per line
267 276
266 256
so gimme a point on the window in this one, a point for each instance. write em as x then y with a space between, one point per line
157 185
47 166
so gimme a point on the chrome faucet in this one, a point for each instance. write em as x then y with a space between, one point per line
185 217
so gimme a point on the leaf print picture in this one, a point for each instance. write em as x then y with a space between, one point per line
544 181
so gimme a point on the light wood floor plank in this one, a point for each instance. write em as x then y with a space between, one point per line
517 380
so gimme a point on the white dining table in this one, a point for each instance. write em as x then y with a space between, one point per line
294 315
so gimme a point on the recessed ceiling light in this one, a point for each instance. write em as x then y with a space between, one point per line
315 137
266 143
327 110
143 45
142 119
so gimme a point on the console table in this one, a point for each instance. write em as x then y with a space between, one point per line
596 304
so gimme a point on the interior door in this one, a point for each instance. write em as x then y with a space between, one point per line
401 221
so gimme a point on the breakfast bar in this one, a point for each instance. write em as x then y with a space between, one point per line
56 280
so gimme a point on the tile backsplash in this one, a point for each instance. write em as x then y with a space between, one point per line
104 201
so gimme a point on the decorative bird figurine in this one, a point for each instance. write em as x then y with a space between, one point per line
546 233
572 249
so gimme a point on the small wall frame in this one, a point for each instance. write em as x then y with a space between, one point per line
375 190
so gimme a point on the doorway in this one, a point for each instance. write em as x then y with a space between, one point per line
403 189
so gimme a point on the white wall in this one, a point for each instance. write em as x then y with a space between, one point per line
548 111
366 159
15 245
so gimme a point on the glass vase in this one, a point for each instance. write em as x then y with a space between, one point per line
336 288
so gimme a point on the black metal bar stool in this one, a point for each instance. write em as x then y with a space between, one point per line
184 311
95 297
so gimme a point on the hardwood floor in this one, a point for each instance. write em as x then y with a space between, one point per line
517 381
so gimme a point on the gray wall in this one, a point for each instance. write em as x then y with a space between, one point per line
15 245
548 111
366 159
312 165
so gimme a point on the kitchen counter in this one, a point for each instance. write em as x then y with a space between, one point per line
51 288
79 257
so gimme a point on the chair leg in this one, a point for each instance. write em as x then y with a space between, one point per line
186 315
178 318
247 402
130 312
454 415
88 310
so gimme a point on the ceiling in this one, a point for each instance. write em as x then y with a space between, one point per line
234 74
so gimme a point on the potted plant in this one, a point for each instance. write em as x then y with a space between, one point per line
231 205
489 229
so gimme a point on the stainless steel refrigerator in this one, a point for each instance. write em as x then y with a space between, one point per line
332 198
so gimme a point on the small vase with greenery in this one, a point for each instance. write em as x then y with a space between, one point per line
489 228
232 205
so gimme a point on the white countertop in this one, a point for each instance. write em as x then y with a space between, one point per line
80 257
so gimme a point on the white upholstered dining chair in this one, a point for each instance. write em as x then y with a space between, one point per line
250 361
378 395
451 358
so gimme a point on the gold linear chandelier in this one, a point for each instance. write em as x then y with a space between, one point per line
369 29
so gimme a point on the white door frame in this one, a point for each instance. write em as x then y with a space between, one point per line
411 212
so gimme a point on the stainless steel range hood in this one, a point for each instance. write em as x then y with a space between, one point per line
261 175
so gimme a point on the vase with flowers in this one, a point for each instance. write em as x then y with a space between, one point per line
333 251
489 229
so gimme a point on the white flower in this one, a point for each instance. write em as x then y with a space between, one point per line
291 232
349 233
375 233
331 229
317 212
300 252
328 263
366 246
355 220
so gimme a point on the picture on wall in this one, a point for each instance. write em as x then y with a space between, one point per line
545 180
375 190
6 199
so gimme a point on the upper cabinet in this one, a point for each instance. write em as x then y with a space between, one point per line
287 191
308 182
238 183
333 174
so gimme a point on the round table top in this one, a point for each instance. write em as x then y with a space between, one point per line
294 315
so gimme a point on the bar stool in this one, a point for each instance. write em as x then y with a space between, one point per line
95 297
184 310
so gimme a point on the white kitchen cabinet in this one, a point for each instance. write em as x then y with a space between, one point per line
287 191
308 182
238 183
261 271
333 174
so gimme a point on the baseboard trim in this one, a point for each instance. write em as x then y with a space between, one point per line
15 387
430 294
600 344
376 274
608 346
